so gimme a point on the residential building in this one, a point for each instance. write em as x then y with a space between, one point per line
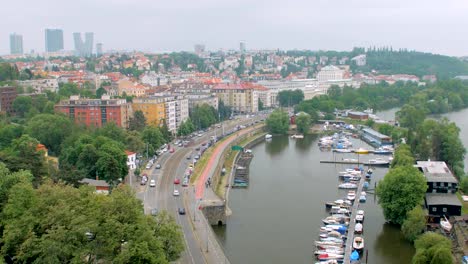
41 85
330 72
442 185
131 159
96 112
53 40
153 108
157 109
199 99
242 97
16 44
101 187
7 95
131 88
308 86
360 60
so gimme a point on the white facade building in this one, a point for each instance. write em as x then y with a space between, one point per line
330 72
360 60
309 87
41 85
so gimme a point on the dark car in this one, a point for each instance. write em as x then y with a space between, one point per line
197 148
188 157
181 211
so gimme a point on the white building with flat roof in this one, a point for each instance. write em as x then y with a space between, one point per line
330 72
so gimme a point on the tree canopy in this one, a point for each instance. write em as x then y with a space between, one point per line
60 224
290 98
433 248
278 122
303 122
402 188
414 224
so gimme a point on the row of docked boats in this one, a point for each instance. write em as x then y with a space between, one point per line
384 150
336 141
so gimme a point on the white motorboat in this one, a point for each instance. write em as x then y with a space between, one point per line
329 251
378 161
358 243
360 216
363 193
331 261
350 160
445 224
347 185
268 136
351 196
362 198
342 150
358 228
328 243
297 136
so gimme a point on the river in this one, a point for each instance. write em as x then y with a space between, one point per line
277 219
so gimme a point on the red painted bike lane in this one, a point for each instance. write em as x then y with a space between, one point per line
200 187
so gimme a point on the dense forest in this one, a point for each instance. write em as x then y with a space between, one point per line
388 61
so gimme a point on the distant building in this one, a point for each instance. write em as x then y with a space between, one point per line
41 85
98 49
84 48
198 99
358 115
199 48
360 60
96 112
440 197
242 47
53 40
7 95
241 98
329 73
16 44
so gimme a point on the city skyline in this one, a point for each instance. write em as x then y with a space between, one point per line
428 26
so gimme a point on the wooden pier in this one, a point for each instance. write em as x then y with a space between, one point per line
352 222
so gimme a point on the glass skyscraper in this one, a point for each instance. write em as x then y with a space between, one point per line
16 44
53 40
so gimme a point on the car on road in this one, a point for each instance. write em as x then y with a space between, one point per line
197 157
152 183
172 150
204 144
154 212
185 182
181 211
158 166
200 134
197 149
176 181
176 192
148 166
189 157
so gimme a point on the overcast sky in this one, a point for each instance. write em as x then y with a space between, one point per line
439 26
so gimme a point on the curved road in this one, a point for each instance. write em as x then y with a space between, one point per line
173 165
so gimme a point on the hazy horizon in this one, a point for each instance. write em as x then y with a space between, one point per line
155 26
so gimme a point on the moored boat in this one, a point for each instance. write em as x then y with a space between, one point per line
358 243
347 186
358 228
268 136
329 251
361 151
445 224
330 256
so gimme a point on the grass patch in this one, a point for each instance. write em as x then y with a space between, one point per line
464 204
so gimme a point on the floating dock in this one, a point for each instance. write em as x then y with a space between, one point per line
241 175
357 162
352 224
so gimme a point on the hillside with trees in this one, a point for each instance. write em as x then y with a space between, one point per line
389 61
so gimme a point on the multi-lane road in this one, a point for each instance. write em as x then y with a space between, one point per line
174 165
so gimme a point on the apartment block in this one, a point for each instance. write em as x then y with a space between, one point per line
242 97
96 112
7 95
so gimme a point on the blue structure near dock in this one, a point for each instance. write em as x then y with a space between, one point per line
374 138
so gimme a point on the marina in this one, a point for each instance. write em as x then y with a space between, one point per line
291 168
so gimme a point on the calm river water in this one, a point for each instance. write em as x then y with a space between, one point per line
277 219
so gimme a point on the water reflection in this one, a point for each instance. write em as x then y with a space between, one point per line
276 145
304 144
392 246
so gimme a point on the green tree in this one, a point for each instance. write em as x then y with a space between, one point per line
134 142
170 234
60 224
167 135
138 121
433 248
50 130
464 184
22 105
402 156
414 224
260 105
402 188
410 116
224 111
278 122
100 92
8 180
303 122
152 136
290 97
